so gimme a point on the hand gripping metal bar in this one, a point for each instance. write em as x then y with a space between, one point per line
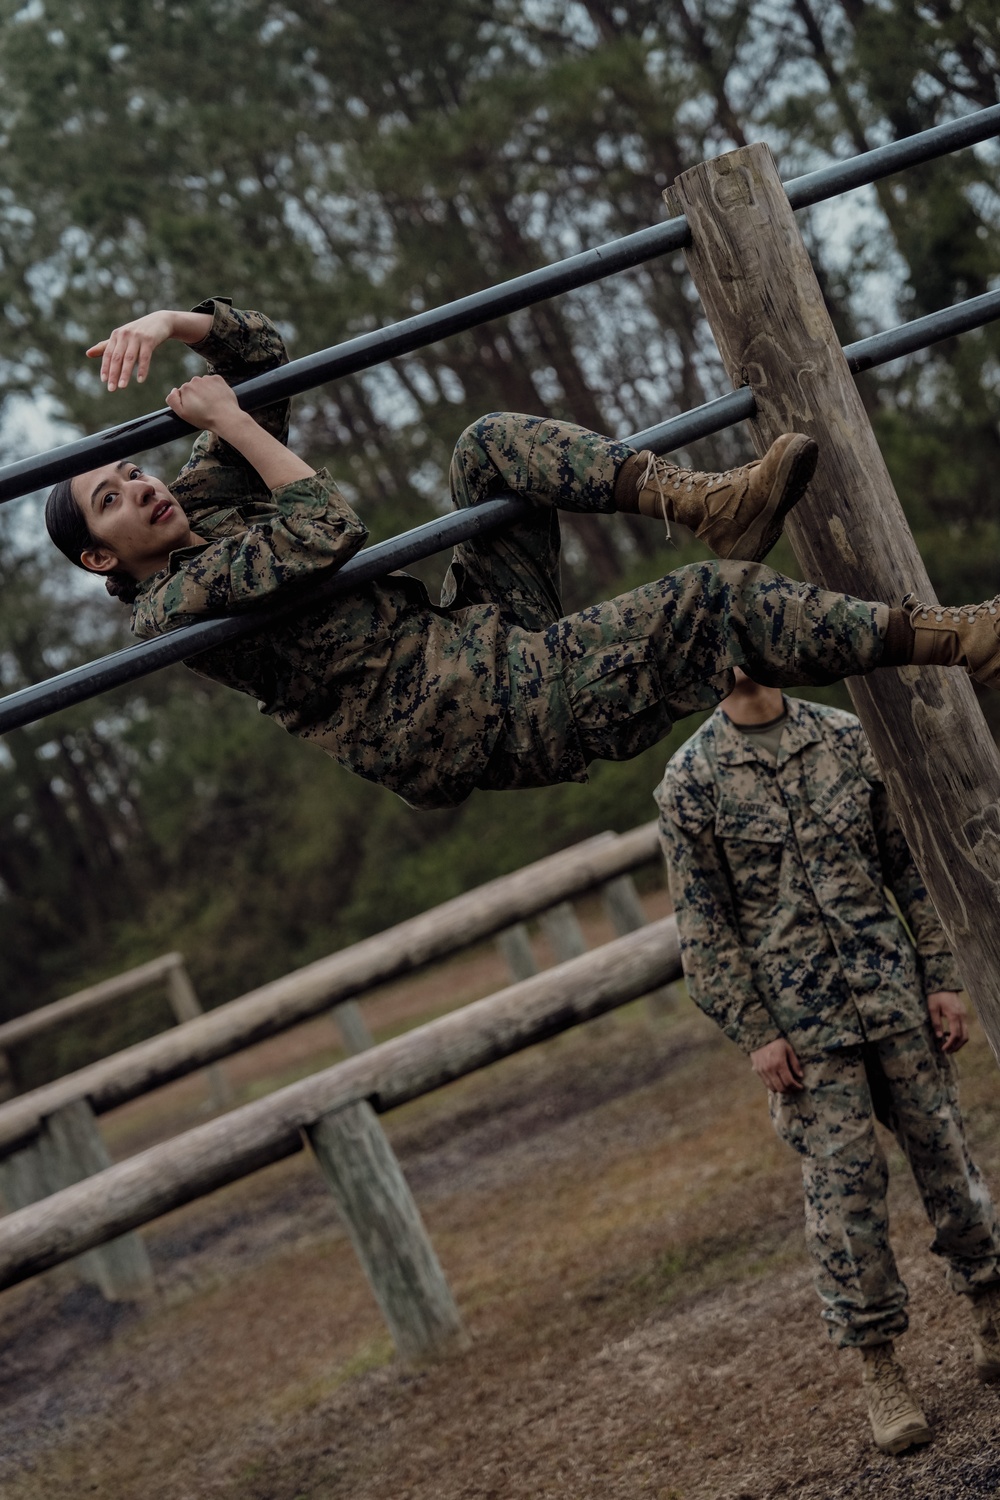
32 703
428 327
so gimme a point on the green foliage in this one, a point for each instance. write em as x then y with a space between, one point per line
345 164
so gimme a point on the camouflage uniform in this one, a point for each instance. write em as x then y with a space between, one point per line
779 869
493 687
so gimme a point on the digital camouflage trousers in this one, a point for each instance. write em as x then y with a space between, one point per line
831 1124
610 680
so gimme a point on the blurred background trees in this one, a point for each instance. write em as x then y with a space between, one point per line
345 163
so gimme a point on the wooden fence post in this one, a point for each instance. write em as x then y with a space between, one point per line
387 1232
515 949
68 1149
185 1005
353 1027
562 928
941 767
625 912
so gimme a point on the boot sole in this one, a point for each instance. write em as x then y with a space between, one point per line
796 469
918 1438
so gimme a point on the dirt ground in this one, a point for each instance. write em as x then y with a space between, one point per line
623 1234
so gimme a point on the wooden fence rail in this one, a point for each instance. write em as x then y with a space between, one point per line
435 934
401 1266
169 970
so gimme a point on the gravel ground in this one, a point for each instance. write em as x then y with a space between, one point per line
623 1234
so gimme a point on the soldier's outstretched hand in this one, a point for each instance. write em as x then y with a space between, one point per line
130 347
949 1019
777 1067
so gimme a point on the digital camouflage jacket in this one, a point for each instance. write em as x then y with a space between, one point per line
404 693
779 869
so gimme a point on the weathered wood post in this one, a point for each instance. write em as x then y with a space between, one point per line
620 900
353 1027
69 1148
766 311
387 1232
561 926
186 1006
514 946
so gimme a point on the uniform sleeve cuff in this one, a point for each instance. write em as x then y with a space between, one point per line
216 348
940 973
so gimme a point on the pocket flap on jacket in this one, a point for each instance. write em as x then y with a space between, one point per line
760 821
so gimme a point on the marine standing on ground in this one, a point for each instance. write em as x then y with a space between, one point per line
493 687
780 848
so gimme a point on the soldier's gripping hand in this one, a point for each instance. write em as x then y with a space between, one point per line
130 347
207 401
777 1067
949 1019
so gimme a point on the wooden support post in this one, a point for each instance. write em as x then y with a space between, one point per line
625 912
767 312
387 1232
620 900
22 1176
199 1161
562 928
515 950
353 1027
185 1005
68 1149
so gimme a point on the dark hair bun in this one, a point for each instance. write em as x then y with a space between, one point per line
121 586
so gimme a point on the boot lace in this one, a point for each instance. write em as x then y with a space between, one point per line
888 1392
971 612
653 479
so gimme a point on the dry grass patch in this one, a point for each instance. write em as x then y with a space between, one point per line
623 1234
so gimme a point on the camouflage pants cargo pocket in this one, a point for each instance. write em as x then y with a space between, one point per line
617 700
830 1124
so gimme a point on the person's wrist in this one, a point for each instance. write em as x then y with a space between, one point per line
232 424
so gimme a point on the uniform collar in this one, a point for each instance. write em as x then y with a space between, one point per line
734 748
177 557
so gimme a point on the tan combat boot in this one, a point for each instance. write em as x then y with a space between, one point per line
966 635
897 1421
739 513
985 1307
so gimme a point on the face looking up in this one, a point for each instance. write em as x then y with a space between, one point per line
133 517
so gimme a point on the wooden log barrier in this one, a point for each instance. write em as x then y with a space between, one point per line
285 1002
767 313
169 970
186 1007
153 1182
387 1232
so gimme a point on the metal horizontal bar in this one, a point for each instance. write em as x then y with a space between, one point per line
880 348
355 354
841 176
92 678
481 307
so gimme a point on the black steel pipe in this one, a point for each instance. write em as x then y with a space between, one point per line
92 678
481 307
